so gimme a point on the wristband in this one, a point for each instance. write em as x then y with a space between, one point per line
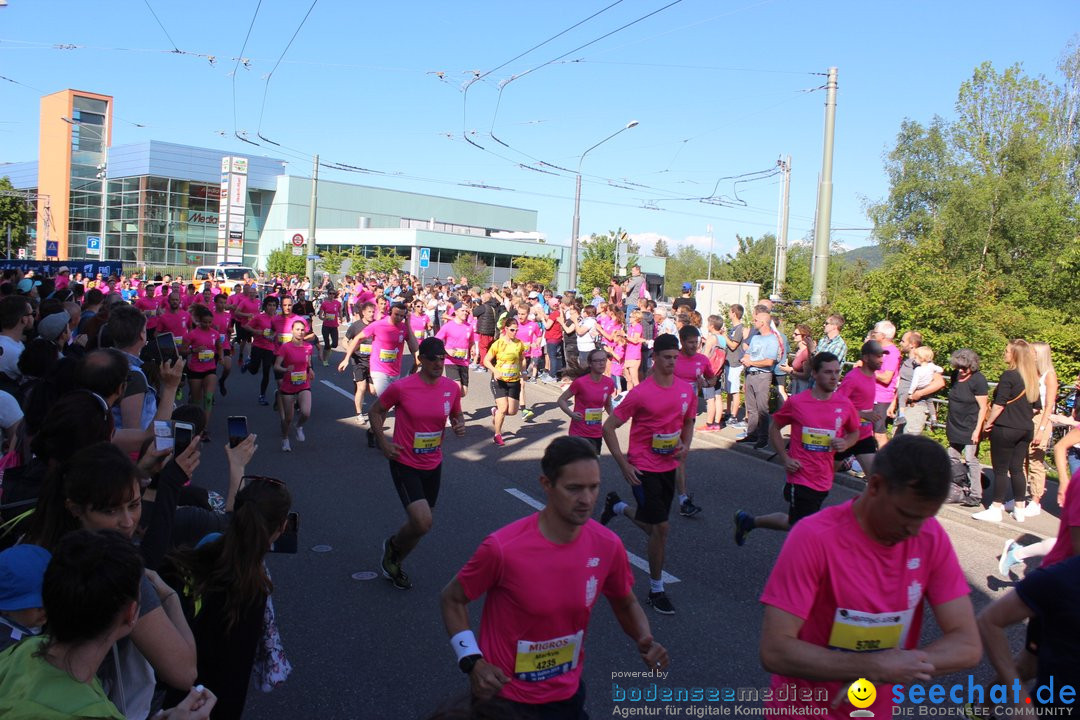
464 644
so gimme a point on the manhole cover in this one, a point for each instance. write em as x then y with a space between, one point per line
365 575
321 548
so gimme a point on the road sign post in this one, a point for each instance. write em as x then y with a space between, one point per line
425 258
93 246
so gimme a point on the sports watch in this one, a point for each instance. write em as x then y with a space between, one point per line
467 663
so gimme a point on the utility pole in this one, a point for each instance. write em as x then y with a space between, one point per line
824 198
708 229
312 209
780 261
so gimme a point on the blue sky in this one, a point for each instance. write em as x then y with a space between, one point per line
718 88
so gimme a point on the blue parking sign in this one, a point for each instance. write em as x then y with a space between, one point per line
52 249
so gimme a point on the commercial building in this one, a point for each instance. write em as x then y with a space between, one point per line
156 203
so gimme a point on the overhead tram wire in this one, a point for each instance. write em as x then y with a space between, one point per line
176 48
240 58
269 76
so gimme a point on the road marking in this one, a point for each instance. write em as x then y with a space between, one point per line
335 388
638 562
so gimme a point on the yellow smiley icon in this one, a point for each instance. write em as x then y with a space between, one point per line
861 693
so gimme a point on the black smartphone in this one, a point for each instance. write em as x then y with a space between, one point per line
290 537
166 345
182 436
238 429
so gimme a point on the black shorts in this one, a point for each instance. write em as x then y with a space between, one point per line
199 374
227 352
503 389
802 501
243 335
259 356
330 336
572 708
866 446
412 484
596 442
361 371
654 496
882 410
457 373
1034 634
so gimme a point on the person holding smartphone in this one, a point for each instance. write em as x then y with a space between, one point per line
293 364
415 453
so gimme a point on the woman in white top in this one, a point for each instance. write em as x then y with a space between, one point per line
1036 460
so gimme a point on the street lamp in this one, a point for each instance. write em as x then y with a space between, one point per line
577 203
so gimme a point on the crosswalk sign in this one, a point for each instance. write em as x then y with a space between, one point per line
425 257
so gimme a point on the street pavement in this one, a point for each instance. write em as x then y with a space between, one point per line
362 649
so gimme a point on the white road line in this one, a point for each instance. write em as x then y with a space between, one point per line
335 388
638 562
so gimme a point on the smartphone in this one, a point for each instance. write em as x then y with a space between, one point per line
163 435
182 436
238 429
166 345
290 537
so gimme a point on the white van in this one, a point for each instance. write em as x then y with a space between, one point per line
229 271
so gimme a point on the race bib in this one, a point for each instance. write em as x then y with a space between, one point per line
665 443
539 661
178 340
388 355
298 377
206 355
365 349
285 338
268 333
593 416
458 353
509 373
426 442
862 632
418 333
817 439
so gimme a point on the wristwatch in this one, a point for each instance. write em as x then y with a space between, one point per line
467 663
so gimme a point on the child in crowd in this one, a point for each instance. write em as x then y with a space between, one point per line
925 370
22 612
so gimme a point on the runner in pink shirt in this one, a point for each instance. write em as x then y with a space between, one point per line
822 424
845 598
330 313
223 321
293 364
592 394
389 338
457 335
694 368
419 322
263 346
534 575
859 387
173 319
529 332
662 409
424 402
202 347
245 306
285 322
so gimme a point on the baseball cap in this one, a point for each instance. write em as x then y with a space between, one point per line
22 570
52 326
533 295
687 287
431 348
26 284
872 347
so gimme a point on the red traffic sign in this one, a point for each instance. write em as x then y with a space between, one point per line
298 240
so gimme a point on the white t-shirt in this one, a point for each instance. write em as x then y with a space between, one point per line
587 342
922 376
9 360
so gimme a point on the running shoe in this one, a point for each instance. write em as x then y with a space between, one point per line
527 414
991 514
744 438
300 434
610 502
660 603
688 508
370 439
285 446
738 424
205 436
744 523
707 427
1018 514
262 400
221 386
401 581
326 363
499 440
391 566
1032 509
1008 557
360 419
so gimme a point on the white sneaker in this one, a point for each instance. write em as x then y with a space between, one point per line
991 514
1032 509
360 420
1018 515
300 434
285 446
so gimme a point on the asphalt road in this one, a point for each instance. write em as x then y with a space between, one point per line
361 649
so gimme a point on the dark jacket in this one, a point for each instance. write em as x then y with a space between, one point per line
487 315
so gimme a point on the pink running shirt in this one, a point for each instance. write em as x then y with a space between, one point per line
538 599
859 388
689 368
458 338
590 399
420 420
633 350
331 309
658 416
814 423
388 341
297 360
203 344
889 361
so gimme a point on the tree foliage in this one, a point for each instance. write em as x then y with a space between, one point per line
660 249
385 260
473 268
282 261
535 269
331 260
14 214
597 264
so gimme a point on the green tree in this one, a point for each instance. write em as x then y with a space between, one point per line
283 261
660 249
332 259
473 268
14 214
597 262
385 260
687 264
535 269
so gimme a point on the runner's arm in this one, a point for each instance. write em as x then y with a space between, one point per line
959 647
564 404
636 626
783 653
486 679
1007 610
611 425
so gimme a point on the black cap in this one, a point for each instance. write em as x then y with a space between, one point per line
431 348
872 347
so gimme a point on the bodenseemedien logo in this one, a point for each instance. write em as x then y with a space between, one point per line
862 695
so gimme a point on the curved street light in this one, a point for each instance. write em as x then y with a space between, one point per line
577 204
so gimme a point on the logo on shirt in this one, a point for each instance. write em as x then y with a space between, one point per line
914 593
593 562
590 591
913 564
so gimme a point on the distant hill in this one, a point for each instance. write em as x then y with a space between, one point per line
870 254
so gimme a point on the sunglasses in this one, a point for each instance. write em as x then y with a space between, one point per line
248 479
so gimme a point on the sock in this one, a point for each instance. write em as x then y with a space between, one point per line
620 508
683 498
656 586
